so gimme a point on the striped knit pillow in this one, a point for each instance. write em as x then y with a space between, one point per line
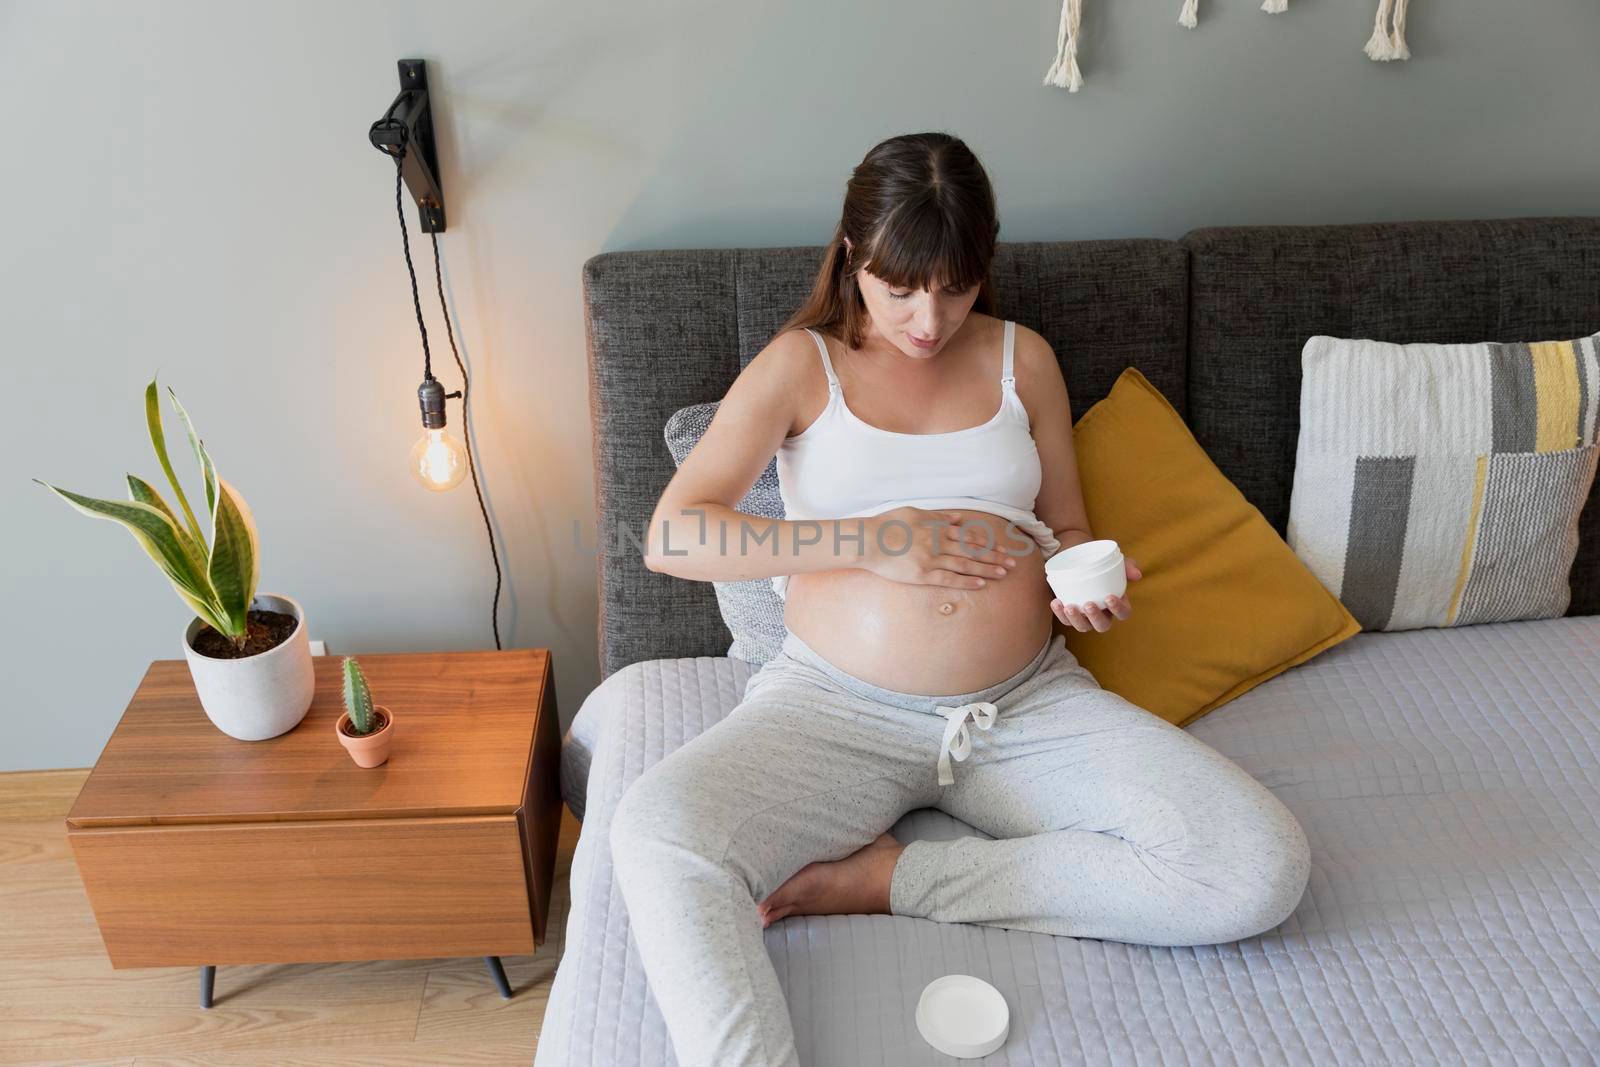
1440 485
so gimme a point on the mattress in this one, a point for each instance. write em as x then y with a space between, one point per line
1449 784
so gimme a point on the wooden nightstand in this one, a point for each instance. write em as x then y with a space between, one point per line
197 849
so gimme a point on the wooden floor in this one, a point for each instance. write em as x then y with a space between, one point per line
60 1001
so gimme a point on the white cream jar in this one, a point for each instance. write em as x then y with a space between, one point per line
1087 573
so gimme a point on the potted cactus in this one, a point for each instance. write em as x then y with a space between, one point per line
248 652
366 730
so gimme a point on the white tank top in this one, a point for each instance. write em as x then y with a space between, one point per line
841 467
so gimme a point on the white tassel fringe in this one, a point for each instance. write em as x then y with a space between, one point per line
1377 47
1385 43
1397 40
1064 72
1188 17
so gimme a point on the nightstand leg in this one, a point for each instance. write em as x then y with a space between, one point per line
208 982
498 972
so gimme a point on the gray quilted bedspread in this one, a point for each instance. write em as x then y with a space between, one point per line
1448 781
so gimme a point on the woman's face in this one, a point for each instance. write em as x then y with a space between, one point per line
904 316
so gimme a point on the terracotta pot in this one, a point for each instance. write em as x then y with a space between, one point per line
368 750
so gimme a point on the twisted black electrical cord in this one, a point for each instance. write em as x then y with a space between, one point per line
399 152
466 434
405 244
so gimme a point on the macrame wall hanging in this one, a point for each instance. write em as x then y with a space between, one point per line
1189 16
1063 73
1387 44
1388 36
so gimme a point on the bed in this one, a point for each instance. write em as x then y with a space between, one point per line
1448 779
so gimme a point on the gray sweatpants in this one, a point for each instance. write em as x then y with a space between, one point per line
1109 823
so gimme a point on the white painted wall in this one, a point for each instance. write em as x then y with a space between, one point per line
188 189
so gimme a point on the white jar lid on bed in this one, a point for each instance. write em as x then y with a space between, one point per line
963 1016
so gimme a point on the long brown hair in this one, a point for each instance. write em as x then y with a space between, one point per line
918 209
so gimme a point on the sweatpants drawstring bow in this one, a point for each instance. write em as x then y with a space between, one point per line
957 738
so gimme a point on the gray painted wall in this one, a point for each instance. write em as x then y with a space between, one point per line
188 190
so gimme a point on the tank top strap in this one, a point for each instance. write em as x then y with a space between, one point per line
827 364
1006 375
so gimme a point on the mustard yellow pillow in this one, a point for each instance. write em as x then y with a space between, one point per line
1224 603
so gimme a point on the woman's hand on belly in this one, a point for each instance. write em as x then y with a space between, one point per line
928 637
919 547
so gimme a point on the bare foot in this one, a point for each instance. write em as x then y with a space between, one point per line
855 885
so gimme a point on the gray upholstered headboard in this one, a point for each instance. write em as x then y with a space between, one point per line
1216 320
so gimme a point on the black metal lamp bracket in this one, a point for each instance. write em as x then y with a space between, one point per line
408 127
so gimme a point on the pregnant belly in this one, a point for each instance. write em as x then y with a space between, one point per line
927 639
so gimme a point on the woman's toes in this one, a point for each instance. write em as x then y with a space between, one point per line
788 895
777 899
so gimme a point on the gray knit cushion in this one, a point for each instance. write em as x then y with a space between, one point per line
750 609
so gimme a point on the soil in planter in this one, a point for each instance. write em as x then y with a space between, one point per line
379 721
265 631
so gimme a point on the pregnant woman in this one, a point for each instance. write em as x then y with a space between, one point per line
925 460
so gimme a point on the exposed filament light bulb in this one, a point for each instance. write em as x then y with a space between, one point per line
438 459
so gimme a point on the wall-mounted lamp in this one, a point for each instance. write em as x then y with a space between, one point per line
439 459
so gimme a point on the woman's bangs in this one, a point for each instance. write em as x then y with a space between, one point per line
918 248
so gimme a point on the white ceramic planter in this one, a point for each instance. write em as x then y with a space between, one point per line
259 696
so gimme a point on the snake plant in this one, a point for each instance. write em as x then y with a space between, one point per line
215 575
357 697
